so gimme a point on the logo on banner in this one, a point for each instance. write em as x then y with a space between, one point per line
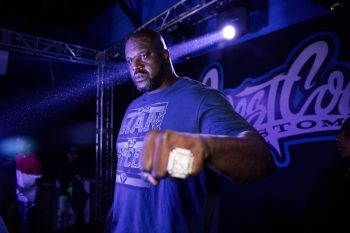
297 102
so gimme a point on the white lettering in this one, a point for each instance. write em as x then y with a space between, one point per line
307 96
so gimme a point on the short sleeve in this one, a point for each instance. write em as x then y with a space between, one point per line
217 116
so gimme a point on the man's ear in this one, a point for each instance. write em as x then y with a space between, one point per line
166 55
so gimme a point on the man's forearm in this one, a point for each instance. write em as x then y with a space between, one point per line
244 158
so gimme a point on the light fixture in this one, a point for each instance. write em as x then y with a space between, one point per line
229 32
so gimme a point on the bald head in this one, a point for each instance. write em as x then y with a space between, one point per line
155 37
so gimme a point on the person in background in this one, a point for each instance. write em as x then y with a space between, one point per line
72 195
174 142
28 174
327 209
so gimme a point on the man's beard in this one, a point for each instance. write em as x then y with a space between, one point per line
149 83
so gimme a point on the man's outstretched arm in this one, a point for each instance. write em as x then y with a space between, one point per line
243 158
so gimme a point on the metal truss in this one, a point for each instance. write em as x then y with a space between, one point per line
105 167
105 161
24 43
184 11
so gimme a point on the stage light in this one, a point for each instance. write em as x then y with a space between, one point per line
229 32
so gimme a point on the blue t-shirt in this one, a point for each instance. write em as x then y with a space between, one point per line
174 205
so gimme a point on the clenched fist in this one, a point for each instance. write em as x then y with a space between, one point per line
157 147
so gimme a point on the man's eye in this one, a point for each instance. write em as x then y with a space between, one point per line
145 56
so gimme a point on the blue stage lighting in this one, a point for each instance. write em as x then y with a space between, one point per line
229 32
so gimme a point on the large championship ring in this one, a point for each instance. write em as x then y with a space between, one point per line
180 163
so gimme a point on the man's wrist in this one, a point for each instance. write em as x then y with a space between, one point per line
205 144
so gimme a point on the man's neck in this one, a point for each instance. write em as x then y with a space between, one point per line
168 81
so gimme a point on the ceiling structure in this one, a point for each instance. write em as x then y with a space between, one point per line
187 18
69 20
42 17
69 14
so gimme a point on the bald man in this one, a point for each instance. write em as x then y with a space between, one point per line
174 142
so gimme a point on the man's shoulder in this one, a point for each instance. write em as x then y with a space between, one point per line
191 82
185 88
197 87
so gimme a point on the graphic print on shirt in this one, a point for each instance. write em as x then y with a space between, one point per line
136 124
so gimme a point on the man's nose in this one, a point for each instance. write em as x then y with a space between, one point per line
137 63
